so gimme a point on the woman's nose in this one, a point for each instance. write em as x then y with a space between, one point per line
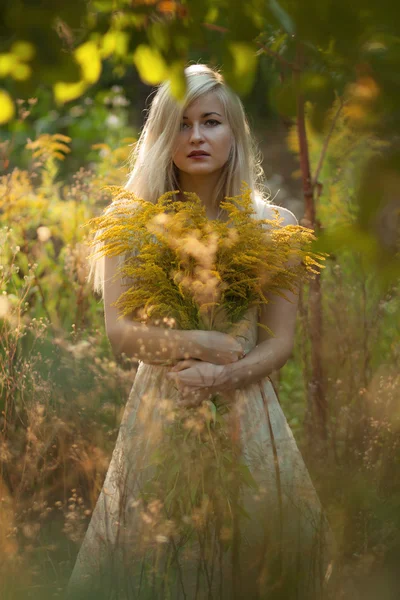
196 133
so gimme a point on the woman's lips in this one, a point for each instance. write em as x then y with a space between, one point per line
198 156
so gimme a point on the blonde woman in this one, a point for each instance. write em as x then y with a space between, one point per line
281 544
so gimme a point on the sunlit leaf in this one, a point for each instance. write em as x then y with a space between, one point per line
21 72
177 80
88 57
319 90
244 67
159 36
24 50
284 98
114 42
150 64
7 64
7 108
212 14
65 92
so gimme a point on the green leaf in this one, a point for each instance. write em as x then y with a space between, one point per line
284 98
213 410
212 14
114 42
193 491
7 108
247 476
176 76
156 458
65 92
88 57
243 512
24 50
150 64
318 88
159 36
169 498
282 16
241 76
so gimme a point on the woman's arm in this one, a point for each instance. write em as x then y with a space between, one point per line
270 353
137 340
156 345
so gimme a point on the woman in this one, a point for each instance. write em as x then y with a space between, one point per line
280 548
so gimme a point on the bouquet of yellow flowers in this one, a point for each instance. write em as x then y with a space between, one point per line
201 274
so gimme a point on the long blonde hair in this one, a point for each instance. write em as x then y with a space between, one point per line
153 172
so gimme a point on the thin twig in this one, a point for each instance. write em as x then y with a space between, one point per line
43 297
326 143
303 144
285 63
214 27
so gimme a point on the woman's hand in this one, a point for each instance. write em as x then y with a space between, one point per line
216 347
197 380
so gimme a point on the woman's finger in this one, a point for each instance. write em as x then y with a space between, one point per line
182 364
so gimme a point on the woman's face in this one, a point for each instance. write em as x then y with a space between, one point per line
205 137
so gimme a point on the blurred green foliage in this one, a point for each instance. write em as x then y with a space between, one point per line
72 78
316 54
160 37
61 390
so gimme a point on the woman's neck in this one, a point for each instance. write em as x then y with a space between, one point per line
204 186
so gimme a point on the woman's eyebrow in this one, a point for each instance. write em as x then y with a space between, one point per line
206 115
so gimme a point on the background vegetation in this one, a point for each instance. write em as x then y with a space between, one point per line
74 83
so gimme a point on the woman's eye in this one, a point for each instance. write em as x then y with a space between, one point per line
209 122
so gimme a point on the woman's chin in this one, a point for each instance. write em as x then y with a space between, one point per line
200 168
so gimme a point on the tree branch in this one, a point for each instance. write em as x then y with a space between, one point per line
326 143
213 27
303 145
285 63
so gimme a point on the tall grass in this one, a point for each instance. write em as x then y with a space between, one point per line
62 392
357 473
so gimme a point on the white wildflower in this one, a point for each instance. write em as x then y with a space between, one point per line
43 233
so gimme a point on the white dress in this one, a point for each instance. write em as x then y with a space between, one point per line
280 545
